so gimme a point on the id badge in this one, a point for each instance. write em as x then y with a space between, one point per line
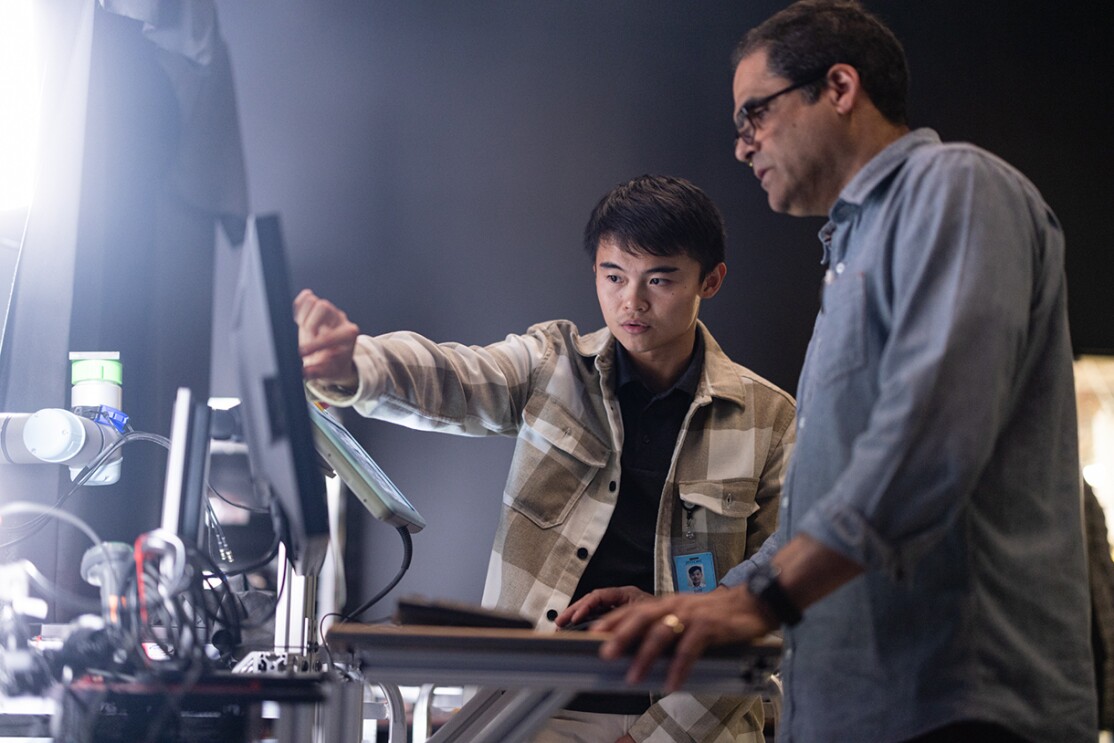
695 573
694 569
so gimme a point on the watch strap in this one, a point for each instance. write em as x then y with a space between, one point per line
771 593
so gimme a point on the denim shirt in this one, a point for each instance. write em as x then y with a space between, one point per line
936 446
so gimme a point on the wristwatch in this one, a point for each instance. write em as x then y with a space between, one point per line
763 584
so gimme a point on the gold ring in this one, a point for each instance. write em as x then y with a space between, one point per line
672 622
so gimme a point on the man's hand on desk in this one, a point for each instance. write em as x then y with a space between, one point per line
597 603
326 341
687 623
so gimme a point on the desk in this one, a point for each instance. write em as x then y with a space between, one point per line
528 675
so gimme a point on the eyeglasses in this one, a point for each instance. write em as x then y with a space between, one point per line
749 118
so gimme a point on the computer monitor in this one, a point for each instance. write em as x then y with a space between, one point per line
277 431
187 469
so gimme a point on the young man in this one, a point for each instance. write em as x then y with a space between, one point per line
935 481
639 446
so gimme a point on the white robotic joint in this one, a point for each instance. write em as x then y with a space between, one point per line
53 435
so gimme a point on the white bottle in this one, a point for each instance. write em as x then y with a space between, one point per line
96 379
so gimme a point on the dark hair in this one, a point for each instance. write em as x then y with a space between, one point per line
810 36
659 215
694 568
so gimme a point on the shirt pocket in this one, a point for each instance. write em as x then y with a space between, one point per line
842 339
555 459
726 499
719 509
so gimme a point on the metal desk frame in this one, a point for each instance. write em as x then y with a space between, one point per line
527 676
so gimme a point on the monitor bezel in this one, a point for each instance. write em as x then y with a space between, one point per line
277 429
187 470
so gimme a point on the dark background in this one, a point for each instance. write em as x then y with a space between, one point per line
434 164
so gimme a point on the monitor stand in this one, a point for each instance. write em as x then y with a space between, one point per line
297 650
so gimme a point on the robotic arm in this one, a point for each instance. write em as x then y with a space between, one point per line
58 436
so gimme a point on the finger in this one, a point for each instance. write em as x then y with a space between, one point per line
338 369
320 315
314 314
657 640
581 611
608 622
690 647
630 594
308 308
626 624
319 333
302 302
567 615
585 606
342 339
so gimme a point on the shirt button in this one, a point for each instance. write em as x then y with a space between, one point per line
840 267
582 553
611 486
551 614
645 439
728 499
801 423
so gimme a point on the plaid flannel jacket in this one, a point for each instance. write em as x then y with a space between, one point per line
553 389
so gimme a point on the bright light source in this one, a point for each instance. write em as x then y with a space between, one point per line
1097 476
19 103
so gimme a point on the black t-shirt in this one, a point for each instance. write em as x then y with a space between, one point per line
651 423
625 556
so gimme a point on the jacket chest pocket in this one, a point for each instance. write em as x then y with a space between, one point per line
716 512
555 459
726 499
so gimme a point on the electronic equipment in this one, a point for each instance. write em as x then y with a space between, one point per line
419 610
360 473
54 436
187 469
277 427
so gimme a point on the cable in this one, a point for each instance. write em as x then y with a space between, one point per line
258 563
216 531
36 524
407 553
234 504
47 512
82 603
